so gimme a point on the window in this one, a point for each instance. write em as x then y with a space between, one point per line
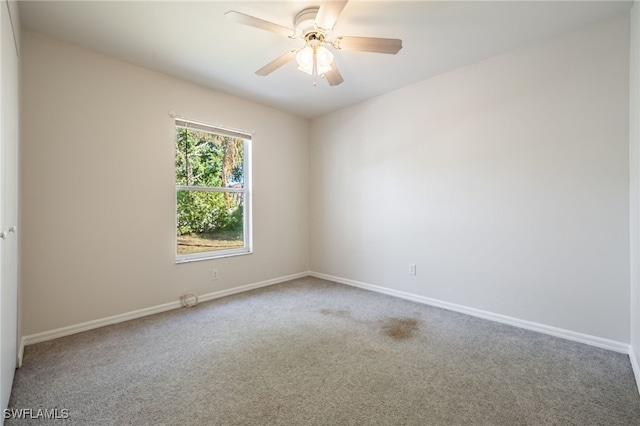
213 201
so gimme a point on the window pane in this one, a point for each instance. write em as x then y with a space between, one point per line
209 221
207 159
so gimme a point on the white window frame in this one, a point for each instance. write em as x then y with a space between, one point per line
247 247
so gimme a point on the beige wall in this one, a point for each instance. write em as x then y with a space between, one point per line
505 182
98 191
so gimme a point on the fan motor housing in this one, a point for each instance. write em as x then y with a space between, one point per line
305 21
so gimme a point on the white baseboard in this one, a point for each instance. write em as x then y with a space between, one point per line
635 366
541 328
20 353
89 325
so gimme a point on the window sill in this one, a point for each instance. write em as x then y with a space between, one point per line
211 256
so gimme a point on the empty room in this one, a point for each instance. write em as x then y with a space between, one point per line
320 212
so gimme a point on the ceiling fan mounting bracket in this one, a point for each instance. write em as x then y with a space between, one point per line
304 23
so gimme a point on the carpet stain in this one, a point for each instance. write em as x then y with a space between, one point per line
335 313
400 328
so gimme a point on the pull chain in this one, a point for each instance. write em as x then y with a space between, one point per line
315 66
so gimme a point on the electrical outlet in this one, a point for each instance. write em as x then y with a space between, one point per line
214 275
412 269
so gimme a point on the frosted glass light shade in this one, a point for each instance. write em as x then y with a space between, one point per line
321 55
305 60
324 58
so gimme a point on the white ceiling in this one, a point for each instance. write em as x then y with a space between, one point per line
192 40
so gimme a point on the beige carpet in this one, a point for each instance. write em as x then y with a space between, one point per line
312 352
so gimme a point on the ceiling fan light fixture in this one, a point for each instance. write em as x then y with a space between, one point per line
314 59
324 58
304 58
315 26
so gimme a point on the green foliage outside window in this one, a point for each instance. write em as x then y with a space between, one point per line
208 160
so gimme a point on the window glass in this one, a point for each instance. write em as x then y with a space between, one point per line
211 173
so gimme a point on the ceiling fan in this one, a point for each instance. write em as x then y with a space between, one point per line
315 26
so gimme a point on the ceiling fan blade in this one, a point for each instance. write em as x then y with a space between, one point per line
252 21
369 44
276 63
333 77
328 13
